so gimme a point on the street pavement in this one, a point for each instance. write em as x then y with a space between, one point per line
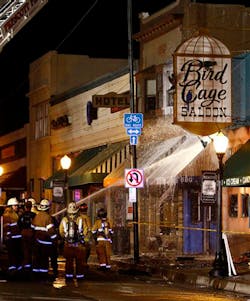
193 271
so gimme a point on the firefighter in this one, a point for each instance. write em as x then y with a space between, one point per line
44 237
24 223
12 237
83 211
72 230
102 233
34 205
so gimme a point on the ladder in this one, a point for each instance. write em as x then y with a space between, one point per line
14 14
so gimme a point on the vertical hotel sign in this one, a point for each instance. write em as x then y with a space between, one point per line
202 68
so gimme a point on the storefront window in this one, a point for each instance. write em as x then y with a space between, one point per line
233 205
244 200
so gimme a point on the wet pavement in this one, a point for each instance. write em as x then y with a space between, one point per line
193 271
189 270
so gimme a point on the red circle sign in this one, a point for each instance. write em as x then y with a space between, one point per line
134 178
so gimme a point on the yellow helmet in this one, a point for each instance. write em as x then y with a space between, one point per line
12 201
44 205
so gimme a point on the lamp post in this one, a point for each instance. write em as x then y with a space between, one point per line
65 164
220 263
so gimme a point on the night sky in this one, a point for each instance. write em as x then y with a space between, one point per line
97 28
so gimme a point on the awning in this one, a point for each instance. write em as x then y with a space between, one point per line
95 169
15 180
161 162
77 162
165 170
86 178
116 177
89 167
237 168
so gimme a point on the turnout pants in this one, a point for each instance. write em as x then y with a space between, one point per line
103 251
75 255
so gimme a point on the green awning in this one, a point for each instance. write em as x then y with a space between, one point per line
86 178
78 177
57 176
77 162
83 166
237 168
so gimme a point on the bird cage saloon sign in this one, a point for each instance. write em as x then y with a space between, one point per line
202 68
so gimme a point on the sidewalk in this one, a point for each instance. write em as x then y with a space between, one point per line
191 270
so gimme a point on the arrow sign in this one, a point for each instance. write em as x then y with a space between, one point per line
133 140
133 131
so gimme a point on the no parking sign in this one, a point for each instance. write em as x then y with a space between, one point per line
134 178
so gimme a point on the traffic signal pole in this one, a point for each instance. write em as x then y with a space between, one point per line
132 110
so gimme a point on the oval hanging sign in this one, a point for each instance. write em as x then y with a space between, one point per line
202 68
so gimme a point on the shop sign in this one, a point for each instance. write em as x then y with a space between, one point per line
111 100
58 192
202 86
208 187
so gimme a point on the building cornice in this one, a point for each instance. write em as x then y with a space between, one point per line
166 24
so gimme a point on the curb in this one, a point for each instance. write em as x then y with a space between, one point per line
193 278
232 285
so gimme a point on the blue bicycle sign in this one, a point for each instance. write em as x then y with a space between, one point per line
133 120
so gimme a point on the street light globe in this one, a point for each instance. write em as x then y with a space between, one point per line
65 162
220 143
1 171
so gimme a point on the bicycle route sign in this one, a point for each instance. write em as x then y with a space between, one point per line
133 123
134 178
133 120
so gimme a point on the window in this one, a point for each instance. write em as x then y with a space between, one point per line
150 97
244 200
42 120
155 90
233 205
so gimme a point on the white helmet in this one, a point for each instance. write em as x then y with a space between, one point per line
12 201
72 208
44 205
32 201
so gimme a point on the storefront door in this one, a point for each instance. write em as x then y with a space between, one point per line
199 223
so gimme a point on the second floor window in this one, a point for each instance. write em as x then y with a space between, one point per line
155 90
42 120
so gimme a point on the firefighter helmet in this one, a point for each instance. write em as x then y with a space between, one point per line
32 201
102 213
12 202
44 205
83 207
72 209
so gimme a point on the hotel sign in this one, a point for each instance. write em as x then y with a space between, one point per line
203 89
111 100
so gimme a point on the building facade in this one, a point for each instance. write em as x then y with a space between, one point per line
174 215
65 120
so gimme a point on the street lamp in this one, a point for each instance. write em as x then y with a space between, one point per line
65 164
220 263
1 171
